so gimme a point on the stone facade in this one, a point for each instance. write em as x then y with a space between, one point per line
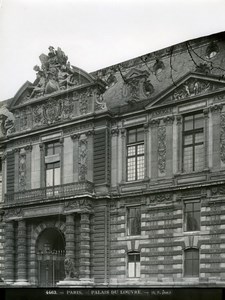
116 178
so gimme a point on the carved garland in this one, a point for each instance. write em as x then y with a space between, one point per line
82 159
162 149
22 171
222 138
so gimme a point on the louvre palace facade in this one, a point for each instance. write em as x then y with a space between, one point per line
116 178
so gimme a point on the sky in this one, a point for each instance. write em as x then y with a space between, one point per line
95 33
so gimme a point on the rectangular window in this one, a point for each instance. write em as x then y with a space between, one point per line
133 264
52 167
134 220
192 216
191 263
135 154
193 142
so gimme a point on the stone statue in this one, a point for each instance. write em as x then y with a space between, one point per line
54 74
69 268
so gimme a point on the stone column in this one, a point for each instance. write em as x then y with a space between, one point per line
70 239
21 253
9 252
85 254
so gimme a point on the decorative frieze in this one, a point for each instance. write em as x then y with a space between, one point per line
78 205
160 198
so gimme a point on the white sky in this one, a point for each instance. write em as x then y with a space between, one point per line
95 33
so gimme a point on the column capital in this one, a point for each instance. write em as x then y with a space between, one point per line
154 122
216 108
114 131
179 119
168 120
75 136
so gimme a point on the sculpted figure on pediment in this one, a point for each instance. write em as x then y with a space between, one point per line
7 121
54 74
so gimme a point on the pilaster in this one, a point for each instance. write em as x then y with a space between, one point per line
9 275
21 253
85 253
154 142
216 110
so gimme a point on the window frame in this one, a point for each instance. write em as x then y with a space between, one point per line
185 225
193 132
135 156
188 261
134 254
128 218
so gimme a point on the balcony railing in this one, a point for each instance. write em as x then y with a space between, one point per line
50 193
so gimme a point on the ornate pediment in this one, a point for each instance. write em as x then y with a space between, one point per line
55 75
191 86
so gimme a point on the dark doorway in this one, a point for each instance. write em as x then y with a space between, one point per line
50 257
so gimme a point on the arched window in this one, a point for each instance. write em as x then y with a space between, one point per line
191 262
133 264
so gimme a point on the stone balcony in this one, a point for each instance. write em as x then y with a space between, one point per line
53 193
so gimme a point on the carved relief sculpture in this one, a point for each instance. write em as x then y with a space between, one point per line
162 149
22 170
222 137
192 87
82 159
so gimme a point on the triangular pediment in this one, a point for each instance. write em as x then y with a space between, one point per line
191 86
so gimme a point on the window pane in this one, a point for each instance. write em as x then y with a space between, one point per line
188 123
131 151
131 168
198 121
199 157
140 134
192 216
134 221
56 148
199 137
191 262
188 159
131 269
132 136
188 139
49 149
140 167
140 149
49 177
57 176
138 268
